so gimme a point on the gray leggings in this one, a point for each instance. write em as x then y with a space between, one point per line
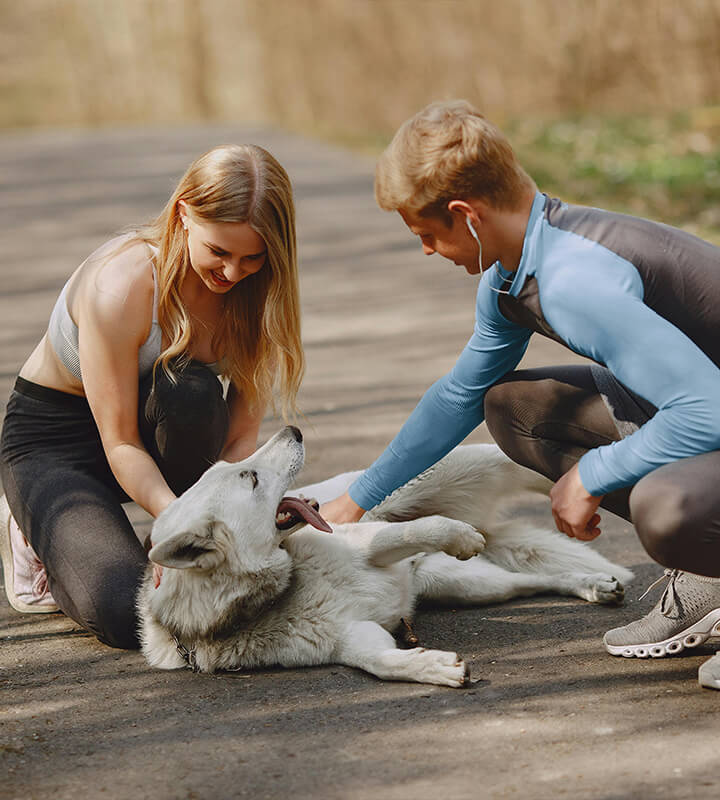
67 502
545 419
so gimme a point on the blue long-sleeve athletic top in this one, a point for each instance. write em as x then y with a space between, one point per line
639 297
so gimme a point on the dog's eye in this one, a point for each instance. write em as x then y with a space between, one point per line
249 474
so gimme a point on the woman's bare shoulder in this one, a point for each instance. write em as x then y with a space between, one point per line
116 282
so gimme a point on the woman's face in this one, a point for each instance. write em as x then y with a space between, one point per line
223 253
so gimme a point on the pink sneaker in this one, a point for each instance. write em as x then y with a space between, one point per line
26 584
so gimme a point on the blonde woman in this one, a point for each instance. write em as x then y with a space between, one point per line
121 399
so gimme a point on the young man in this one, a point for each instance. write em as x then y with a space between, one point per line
638 432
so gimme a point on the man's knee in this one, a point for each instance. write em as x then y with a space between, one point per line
510 412
662 515
500 399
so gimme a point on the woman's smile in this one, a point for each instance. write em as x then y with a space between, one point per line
218 279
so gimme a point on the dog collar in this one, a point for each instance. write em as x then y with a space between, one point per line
187 655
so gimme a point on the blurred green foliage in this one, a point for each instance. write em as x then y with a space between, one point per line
665 168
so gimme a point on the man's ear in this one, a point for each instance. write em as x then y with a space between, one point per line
187 549
473 211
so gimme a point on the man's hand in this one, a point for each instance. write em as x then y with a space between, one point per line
574 510
342 509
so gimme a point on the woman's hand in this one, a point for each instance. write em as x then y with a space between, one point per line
574 510
342 509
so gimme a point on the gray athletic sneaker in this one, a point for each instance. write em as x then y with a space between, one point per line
687 614
709 672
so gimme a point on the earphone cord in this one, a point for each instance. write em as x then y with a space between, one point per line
499 291
473 233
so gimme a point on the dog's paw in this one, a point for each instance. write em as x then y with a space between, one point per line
600 589
464 541
440 667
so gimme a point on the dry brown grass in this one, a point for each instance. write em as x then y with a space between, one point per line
90 62
369 65
343 66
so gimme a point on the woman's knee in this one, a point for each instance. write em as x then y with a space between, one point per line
122 633
191 395
115 623
190 410
108 611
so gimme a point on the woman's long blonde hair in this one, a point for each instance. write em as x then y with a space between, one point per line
258 338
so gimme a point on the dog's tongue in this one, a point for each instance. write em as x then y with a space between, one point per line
301 509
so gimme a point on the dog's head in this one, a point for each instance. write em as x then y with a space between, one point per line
236 513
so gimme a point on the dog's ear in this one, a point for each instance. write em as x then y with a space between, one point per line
187 549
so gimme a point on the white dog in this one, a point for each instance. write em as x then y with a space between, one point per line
239 591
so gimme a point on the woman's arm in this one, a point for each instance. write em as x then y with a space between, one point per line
113 309
244 427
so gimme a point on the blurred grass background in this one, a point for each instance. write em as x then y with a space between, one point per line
613 103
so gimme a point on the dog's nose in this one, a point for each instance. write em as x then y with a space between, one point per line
296 432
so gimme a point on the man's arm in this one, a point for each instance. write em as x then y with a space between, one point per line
602 319
449 410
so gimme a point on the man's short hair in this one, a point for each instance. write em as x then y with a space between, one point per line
448 151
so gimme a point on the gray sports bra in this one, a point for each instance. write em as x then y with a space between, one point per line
63 336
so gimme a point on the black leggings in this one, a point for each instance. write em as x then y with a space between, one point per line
67 502
545 419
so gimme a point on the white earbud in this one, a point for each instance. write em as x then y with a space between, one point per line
479 243
472 230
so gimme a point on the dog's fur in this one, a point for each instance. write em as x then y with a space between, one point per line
237 592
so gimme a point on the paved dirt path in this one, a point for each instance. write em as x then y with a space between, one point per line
549 713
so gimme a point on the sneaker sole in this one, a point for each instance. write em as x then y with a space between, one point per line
693 636
9 571
708 683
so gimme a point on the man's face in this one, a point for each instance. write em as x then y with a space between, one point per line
454 243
